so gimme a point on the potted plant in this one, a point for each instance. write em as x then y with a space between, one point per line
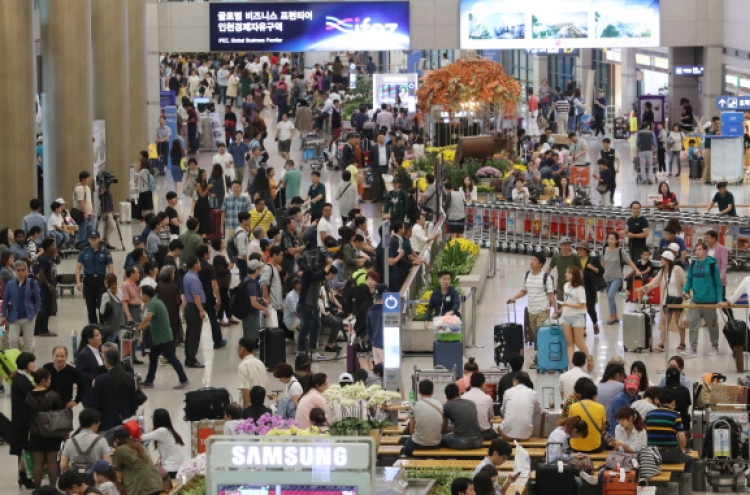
486 174
497 185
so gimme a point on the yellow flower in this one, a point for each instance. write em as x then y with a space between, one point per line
406 164
465 245
421 310
422 184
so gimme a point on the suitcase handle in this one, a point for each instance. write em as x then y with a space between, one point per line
507 308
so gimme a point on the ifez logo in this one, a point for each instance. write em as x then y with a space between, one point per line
354 25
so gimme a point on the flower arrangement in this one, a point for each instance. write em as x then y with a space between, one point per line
358 401
406 164
487 172
265 424
422 184
464 244
295 431
193 467
548 183
421 310
497 185
468 81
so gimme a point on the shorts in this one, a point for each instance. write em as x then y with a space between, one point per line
285 145
575 321
456 229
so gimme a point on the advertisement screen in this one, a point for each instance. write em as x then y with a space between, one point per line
387 86
507 24
286 490
309 26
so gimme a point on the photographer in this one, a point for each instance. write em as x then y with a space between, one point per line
314 275
106 206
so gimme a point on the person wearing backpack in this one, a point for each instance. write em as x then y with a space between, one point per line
704 279
253 296
237 245
145 182
82 450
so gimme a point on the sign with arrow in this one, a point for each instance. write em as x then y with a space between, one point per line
733 103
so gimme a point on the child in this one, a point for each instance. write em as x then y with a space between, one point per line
695 155
318 418
606 180
111 310
644 266
232 417
105 478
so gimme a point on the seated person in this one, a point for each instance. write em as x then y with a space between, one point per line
520 193
478 395
666 432
498 452
257 408
520 410
593 413
425 421
462 486
463 414
318 418
559 445
232 417
622 399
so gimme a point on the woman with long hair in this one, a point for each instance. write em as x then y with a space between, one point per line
6 239
311 399
139 474
468 190
262 188
145 197
614 258
202 210
565 190
558 440
572 314
638 368
630 432
674 141
167 441
218 182
668 201
44 449
192 179
670 280
470 367
176 154
19 391
224 280
593 272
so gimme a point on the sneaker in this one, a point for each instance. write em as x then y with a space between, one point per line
689 353
714 351
163 360
319 357
182 385
147 385
588 478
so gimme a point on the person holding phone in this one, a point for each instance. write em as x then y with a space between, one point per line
498 452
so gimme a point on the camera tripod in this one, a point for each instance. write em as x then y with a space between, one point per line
116 218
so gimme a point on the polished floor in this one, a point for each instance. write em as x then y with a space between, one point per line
221 365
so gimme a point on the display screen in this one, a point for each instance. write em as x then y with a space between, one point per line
552 51
506 24
688 70
387 86
286 490
309 26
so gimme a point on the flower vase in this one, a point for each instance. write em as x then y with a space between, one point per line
485 181
376 433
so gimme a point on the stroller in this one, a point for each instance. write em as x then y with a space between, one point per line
725 453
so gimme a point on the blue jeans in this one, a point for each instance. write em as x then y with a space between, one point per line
613 287
309 325
461 443
675 156
84 229
410 446
60 237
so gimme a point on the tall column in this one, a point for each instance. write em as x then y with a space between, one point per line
139 124
17 147
629 80
713 82
66 93
111 87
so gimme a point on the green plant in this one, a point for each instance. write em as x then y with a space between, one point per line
352 426
454 260
443 477
485 189
455 175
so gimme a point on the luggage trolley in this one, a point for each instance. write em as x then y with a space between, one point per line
439 376
313 152
724 446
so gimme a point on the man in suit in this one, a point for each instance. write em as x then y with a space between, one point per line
379 155
89 362
115 392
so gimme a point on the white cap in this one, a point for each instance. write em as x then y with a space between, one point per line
668 255
60 200
346 378
674 247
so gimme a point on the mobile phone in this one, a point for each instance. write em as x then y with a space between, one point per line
517 474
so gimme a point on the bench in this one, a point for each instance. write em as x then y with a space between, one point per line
530 443
470 453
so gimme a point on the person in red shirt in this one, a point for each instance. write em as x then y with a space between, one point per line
192 127
668 201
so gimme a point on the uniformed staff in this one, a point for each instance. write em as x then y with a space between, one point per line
96 262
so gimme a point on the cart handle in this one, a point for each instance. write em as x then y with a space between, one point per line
716 306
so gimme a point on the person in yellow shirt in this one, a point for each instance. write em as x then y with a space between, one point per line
590 411
260 216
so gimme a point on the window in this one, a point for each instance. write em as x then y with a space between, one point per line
560 71
601 67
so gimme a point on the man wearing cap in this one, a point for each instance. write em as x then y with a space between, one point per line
562 261
138 243
94 262
636 231
374 323
345 379
675 244
623 399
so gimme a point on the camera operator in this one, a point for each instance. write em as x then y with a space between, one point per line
312 264
106 206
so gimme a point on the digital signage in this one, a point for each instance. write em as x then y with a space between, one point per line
309 26
541 24
688 70
552 51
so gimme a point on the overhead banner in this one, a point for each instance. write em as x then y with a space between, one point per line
309 26
507 24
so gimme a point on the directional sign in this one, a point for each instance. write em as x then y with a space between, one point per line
733 103
391 302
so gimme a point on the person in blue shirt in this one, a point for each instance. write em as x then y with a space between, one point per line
445 301
21 303
195 298
94 262
669 236
374 324
239 149
623 399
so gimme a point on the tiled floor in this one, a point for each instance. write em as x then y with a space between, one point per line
221 364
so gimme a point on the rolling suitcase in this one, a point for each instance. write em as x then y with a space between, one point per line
449 355
508 339
272 347
636 330
696 169
215 225
612 484
552 350
206 403
552 476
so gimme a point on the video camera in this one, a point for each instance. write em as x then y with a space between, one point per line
314 260
106 178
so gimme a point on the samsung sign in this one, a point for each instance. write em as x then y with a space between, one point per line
309 26
303 455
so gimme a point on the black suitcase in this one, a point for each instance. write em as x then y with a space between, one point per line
449 355
272 347
206 403
696 169
508 339
549 478
6 429
737 333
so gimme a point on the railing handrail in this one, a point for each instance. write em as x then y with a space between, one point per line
422 256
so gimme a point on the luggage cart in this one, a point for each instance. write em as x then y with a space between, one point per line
313 152
724 462
128 337
439 376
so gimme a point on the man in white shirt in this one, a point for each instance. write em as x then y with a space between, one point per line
539 287
569 378
55 224
291 317
385 118
225 160
425 421
478 395
265 60
254 245
283 60
498 453
284 135
520 410
251 372
419 235
254 66
222 79
578 150
325 227
82 201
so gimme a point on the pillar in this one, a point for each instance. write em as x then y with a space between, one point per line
139 124
17 127
541 69
629 80
713 82
111 88
66 93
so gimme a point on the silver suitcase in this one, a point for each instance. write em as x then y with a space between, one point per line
636 331
549 421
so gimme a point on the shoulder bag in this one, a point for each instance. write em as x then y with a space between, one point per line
53 424
626 461
603 434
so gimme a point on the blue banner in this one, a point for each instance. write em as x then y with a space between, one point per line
309 26
733 103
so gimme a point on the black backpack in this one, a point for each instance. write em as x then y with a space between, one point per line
239 304
347 293
232 252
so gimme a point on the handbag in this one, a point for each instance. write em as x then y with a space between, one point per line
601 188
140 397
581 464
649 462
622 460
166 481
52 424
673 300
645 489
